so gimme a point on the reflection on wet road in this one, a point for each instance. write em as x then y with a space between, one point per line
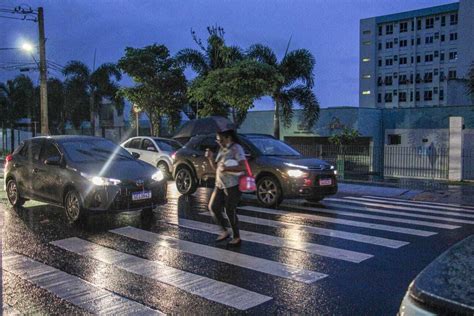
343 256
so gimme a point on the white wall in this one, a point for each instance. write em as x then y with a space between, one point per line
414 137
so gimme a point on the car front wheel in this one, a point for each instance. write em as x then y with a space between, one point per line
164 169
13 194
185 182
73 206
269 192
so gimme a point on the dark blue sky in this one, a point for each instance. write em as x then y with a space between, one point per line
329 29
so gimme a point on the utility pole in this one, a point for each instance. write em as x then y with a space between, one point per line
43 75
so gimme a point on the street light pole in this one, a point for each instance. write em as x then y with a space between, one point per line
43 75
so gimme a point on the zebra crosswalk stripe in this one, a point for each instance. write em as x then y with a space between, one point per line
379 241
396 206
71 288
382 227
377 217
443 206
222 255
207 288
335 203
291 242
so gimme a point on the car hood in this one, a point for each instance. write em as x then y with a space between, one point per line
117 169
295 161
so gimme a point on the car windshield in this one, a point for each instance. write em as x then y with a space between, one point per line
167 145
273 147
93 150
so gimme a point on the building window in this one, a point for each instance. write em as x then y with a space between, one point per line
394 139
417 96
452 74
366 76
429 40
403 61
418 24
418 41
380 30
367 43
389 45
380 62
441 56
403 27
366 32
429 23
428 77
436 36
388 80
453 36
443 20
428 95
388 97
388 62
379 81
443 37
436 54
366 59
435 71
379 98
418 59
395 57
380 46
411 96
418 78
435 90
453 55
428 58
402 96
389 29
453 19
402 79
441 76
441 94
403 43
366 92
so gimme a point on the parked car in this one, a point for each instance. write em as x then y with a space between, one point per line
281 171
156 151
445 286
82 174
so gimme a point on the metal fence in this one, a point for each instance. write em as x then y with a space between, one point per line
468 163
365 162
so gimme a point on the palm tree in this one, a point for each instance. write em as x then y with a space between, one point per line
296 68
215 55
18 100
82 84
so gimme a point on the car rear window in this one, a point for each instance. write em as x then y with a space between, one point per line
168 145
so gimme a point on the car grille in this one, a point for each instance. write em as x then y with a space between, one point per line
123 200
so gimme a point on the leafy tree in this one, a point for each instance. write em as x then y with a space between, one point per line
17 100
346 137
160 88
85 90
237 85
296 68
212 56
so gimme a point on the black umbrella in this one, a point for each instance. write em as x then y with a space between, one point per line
208 125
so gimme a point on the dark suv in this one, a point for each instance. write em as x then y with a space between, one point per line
281 171
82 174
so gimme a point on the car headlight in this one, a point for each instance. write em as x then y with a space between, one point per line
295 173
157 176
332 167
100 181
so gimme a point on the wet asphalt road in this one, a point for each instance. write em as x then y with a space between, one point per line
361 275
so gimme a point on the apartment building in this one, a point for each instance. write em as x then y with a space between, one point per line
417 58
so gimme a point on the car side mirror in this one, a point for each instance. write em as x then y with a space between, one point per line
135 155
53 161
150 148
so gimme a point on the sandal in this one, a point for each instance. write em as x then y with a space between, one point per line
235 242
223 236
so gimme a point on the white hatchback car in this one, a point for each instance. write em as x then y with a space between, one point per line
156 151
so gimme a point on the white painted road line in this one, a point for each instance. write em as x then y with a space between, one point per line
291 242
379 241
376 210
392 205
454 207
72 289
222 255
388 228
207 288
377 217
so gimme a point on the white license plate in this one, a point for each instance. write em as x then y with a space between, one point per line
136 196
325 181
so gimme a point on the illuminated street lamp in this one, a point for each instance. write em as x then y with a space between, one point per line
137 111
27 47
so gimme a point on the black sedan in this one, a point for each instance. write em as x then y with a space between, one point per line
82 174
281 172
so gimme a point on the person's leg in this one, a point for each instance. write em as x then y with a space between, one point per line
216 207
232 199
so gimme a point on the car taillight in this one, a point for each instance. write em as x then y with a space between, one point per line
7 160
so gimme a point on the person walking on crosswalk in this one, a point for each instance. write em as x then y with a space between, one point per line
229 165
